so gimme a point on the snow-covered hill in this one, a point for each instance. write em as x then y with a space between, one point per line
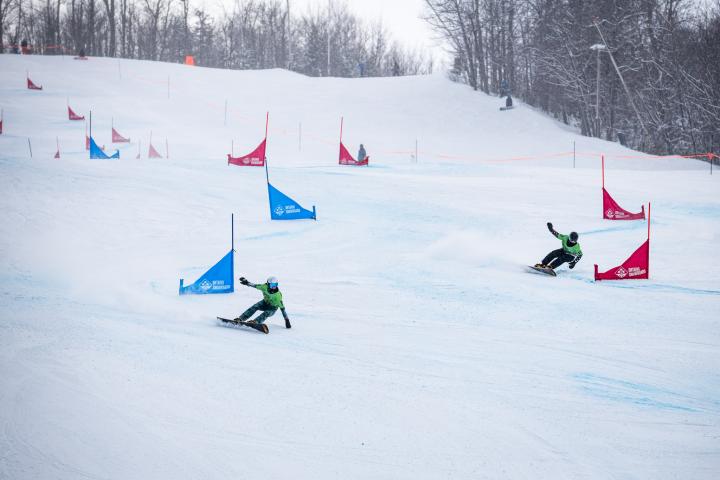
420 346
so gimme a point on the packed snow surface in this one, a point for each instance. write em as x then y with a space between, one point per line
421 346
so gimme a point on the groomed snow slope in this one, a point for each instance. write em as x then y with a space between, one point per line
420 346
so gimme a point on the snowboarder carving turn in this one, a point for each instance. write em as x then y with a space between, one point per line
570 252
271 302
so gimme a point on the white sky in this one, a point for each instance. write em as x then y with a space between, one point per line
400 17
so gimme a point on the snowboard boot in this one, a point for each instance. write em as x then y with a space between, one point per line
540 265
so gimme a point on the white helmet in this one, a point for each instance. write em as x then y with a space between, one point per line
272 281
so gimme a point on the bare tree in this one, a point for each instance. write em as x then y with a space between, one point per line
112 27
7 8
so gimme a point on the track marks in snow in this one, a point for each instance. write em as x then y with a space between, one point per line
641 394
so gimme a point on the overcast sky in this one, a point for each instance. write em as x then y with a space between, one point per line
400 17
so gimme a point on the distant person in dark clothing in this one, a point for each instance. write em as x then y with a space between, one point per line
622 138
508 102
362 155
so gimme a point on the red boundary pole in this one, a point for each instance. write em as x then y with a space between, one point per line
340 146
267 120
603 171
648 259
267 173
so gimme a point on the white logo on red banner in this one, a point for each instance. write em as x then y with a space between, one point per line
636 271
621 272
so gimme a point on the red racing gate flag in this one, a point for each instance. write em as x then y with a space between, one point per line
636 267
345 157
256 158
611 209
74 116
117 138
152 152
31 85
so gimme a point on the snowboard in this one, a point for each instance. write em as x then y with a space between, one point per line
506 108
546 271
260 327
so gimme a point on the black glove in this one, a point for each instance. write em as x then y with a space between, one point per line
244 281
549 225
287 319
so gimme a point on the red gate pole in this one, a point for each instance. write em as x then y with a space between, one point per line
648 240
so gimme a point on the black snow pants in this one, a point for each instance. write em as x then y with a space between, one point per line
267 309
557 257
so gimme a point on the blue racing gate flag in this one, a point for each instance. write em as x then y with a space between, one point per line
97 153
219 279
283 207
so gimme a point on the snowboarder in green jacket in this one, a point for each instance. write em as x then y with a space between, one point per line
272 300
570 251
